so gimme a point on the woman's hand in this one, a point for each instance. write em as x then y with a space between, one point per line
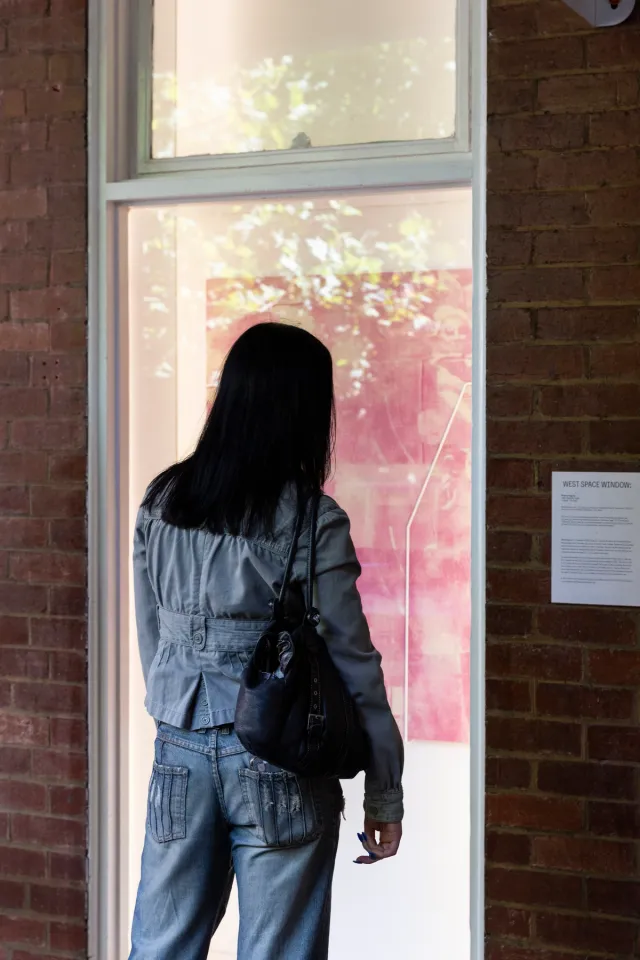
380 840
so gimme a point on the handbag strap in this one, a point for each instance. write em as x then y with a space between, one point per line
311 553
291 555
311 556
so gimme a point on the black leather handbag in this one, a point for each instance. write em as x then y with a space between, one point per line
293 709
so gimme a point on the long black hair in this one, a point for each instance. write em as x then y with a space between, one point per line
271 425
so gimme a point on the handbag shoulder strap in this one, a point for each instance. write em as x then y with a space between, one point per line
292 554
311 555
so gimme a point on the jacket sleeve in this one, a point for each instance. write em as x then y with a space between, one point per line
145 599
346 632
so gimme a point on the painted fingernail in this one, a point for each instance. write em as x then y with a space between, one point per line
373 856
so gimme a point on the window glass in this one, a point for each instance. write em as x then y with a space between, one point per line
241 76
385 281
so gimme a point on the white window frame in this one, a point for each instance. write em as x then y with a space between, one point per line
120 174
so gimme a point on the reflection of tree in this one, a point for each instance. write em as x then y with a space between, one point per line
354 283
350 281
269 105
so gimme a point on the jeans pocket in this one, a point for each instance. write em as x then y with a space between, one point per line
282 808
167 807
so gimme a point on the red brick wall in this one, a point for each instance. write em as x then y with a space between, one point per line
564 385
42 479
563 818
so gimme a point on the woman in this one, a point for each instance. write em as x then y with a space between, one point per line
211 541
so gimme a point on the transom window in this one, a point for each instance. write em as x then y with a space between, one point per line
244 76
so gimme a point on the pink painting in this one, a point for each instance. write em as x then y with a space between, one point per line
401 345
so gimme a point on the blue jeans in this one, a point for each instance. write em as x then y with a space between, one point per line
215 811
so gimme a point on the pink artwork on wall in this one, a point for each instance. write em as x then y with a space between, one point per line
403 465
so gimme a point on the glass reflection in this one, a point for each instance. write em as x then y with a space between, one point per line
242 76
385 281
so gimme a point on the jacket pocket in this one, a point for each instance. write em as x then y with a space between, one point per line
167 805
282 809
230 663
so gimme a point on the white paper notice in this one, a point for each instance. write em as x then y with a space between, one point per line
595 538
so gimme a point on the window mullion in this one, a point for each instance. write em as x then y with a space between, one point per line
388 174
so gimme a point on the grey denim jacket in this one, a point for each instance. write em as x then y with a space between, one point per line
202 601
